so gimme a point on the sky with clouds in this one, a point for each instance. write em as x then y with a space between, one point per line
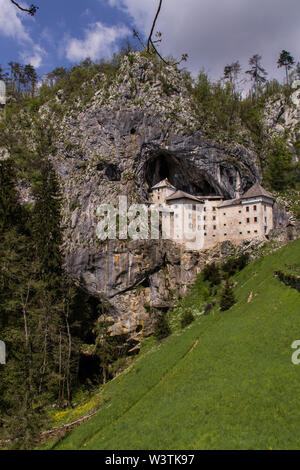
212 32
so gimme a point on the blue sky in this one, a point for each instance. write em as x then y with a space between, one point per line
212 32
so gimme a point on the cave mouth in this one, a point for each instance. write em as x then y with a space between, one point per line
179 173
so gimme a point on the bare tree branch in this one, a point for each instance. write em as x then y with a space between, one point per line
31 10
153 26
136 34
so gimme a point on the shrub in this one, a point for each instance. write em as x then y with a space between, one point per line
162 328
227 297
187 318
208 308
204 293
211 273
234 265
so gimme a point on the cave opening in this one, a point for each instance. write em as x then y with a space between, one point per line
180 174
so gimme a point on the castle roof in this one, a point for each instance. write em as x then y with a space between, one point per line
183 195
164 184
255 191
230 202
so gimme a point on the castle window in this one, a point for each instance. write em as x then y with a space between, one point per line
204 227
248 221
204 217
214 208
255 208
205 234
265 219
194 207
225 234
255 219
214 217
240 223
215 227
225 225
249 231
255 231
241 233
204 208
265 207
247 208
240 212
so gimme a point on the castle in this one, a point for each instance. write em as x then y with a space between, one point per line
199 222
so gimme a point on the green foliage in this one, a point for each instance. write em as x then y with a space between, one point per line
187 318
280 170
227 297
234 265
230 372
109 348
204 293
211 273
161 328
44 318
289 279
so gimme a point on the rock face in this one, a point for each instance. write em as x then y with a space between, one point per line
282 118
134 133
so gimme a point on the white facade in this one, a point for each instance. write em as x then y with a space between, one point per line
199 222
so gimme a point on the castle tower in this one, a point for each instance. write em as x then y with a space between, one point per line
161 191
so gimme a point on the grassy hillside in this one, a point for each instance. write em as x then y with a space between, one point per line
226 382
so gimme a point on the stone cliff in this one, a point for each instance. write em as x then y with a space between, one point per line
131 135
134 132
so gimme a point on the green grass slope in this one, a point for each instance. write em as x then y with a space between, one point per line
226 382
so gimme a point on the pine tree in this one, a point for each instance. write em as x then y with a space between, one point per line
227 297
47 229
105 345
162 328
280 171
287 61
257 72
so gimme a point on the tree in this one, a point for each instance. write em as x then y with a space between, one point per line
232 71
211 273
187 318
287 61
257 72
161 328
151 44
280 172
31 10
105 345
31 78
227 297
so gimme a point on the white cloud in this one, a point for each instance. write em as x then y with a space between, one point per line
99 41
12 27
34 57
10 23
215 32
